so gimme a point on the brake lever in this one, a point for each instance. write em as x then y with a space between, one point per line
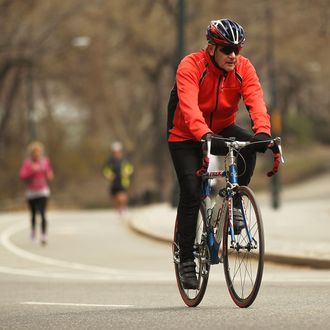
208 144
281 154
277 141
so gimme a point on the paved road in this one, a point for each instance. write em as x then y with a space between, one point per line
97 274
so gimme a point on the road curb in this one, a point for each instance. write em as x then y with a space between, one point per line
298 261
270 257
148 234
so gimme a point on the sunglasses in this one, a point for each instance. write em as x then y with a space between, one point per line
229 49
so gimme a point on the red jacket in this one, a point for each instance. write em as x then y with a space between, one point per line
206 99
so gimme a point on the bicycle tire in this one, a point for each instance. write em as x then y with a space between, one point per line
192 298
243 267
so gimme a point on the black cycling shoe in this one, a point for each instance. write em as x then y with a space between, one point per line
187 273
238 221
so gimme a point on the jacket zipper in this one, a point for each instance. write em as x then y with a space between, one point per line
216 102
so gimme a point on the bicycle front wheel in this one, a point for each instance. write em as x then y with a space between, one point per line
192 297
244 258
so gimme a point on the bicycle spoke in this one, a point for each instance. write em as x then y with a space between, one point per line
243 258
192 297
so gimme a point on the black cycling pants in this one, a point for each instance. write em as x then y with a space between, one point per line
187 159
38 205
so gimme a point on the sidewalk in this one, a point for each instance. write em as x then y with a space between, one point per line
298 233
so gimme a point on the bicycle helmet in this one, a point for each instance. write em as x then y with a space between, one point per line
225 32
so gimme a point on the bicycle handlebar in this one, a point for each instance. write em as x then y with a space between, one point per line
232 144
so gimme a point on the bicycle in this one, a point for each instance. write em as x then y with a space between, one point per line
242 254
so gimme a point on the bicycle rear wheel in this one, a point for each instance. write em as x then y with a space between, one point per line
192 297
244 258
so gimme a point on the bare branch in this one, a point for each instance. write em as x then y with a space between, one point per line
9 101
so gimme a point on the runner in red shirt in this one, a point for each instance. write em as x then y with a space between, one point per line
204 100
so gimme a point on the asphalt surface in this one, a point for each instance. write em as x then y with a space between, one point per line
96 273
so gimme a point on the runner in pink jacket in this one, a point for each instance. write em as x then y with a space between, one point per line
37 172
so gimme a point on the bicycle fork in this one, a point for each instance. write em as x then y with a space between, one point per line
252 243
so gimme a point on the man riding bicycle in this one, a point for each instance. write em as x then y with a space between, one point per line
204 101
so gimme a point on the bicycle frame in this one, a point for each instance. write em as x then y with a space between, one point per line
231 182
231 176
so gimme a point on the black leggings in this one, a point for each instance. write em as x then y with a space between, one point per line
187 159
38 205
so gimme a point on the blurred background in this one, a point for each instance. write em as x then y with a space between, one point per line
80 74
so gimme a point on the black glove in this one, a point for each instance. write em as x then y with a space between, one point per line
275 149
259 137
218 147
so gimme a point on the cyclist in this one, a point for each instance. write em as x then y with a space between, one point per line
203 101
118 171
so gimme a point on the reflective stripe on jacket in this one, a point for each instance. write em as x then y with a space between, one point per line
206 99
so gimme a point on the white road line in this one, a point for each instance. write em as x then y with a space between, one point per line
4 221
88 272
126 277
58 275
73 304
5 240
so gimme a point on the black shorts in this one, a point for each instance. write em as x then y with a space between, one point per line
114 190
